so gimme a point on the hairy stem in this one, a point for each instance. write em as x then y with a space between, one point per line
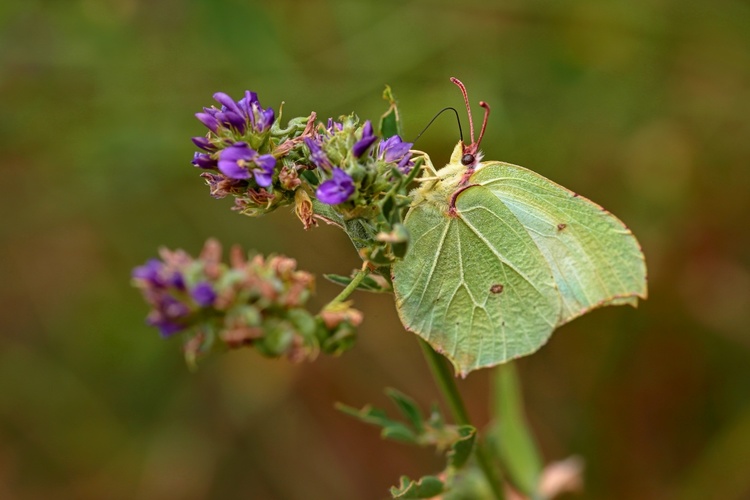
351 286
447 384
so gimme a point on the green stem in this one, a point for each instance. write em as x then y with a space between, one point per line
447 384
350 287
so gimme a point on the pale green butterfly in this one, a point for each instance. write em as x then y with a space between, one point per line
500 256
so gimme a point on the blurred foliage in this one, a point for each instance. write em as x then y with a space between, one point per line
641 105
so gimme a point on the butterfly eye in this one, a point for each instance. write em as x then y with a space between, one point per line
467 159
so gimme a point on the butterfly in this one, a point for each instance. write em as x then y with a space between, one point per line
500 256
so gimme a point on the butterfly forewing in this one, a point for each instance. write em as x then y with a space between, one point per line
593 256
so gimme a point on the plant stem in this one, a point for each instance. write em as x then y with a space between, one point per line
447 384
351 286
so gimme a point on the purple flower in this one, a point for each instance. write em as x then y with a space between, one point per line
203 294
203 143
208 118
155 274
237 114
394 150
261 119
368 137
203 160
239 160
150 272
317 155
333 126
227 103
166 327
168 314
337 189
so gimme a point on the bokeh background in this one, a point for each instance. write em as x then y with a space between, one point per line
640 105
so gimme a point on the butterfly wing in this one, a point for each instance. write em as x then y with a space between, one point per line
521 256
594 258
475 286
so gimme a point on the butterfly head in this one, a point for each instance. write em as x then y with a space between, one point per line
470 154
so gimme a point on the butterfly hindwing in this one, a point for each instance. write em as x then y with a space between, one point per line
594 257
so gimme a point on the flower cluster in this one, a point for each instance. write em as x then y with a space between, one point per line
246 154
350 168
342 171
257 302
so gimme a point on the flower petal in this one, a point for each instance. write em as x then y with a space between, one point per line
203 294
266 162
337 189
203 143
208 120
368 138
227 102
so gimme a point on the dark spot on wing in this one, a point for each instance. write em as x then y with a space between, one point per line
498 288
561 226
576 195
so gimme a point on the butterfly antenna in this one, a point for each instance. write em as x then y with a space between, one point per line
466 101
458 120
484 122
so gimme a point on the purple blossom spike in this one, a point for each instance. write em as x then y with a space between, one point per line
368 138
203 294
336 190
317 155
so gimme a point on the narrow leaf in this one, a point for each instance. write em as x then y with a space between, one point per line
391 429
408 407
390 122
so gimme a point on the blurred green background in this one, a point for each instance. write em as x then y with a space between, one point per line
640 105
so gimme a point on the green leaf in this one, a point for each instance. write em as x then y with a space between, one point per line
500 259
391 429
461 449
426 487
370 283
512 439
390 122
408 407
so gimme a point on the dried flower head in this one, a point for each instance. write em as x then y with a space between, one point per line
258 302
